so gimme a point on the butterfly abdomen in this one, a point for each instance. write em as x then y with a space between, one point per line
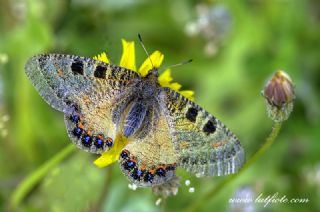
134 118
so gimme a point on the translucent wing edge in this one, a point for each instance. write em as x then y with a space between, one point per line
38 80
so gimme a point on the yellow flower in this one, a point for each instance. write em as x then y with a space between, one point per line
102 57
156 58
112 155
128 60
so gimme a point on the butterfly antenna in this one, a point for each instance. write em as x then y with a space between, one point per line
179 64
144 48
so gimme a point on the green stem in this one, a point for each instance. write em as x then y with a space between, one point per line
164 204
34 178
105 191
213 192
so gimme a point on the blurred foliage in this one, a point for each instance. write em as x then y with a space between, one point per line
263 36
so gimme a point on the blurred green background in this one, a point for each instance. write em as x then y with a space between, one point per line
236 46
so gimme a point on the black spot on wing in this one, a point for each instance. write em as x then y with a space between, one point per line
191 114
42 60
209 127
77 67
100 72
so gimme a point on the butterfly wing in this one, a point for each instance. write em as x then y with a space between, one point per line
205 146
150 159
86 91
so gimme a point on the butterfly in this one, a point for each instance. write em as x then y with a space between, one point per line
164 129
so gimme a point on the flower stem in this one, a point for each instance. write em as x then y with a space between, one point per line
105 190
34 178
214 191
164 204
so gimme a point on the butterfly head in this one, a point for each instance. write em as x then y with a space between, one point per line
153 74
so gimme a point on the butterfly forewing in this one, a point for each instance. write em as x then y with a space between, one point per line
86 91
204 145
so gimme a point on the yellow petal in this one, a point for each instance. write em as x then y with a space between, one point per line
128 58
102 57
175 86
113 154
188 94
156 58
165 78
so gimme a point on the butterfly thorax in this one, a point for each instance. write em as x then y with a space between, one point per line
148 87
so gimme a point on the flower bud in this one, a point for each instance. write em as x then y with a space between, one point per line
279 95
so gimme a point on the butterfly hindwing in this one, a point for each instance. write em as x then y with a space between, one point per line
204 145
150 159
86 91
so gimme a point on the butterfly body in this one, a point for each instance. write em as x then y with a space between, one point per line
140 101
164 130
